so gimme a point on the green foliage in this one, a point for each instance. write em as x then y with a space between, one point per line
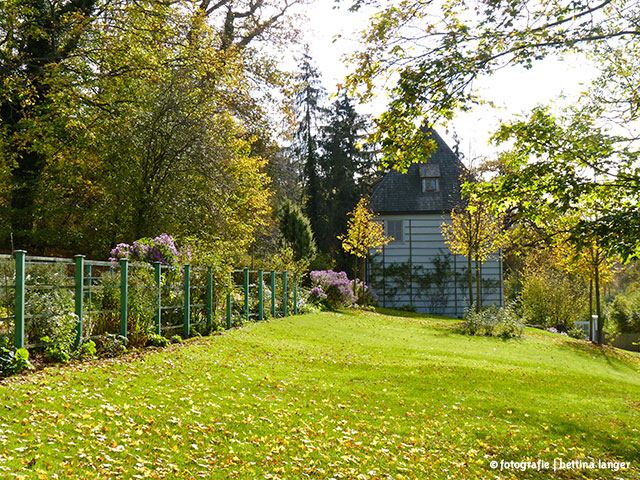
140 117
142 303
296 233
50 301
13 361
623 313
346 166
429 55
110 345
494 321
86 351
552 298
577 333
156 340
56 352
176 339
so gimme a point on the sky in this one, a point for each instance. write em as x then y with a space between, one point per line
514 90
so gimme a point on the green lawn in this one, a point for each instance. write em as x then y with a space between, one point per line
329 396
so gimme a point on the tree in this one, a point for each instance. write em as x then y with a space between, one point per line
295 230
139 120
308 101
476 234
431 53
363 234
346 165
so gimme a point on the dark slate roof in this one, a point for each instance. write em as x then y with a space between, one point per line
402 192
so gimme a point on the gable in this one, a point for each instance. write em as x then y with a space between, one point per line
403 192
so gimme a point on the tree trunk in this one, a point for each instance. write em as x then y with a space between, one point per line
362 275
478 298
470 281
598 313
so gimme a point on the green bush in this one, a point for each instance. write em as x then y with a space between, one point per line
13 361
61 340
110 345
550 298
577 333
49 303
623 314
494 322
176 339
141 306
86 351
156 340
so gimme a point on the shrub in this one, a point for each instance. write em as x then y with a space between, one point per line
149 250
623 314
48 305
336 286
156 340
86 351
61 340
493 321
13 361
141 306
110 345
176 339
550 298
577 333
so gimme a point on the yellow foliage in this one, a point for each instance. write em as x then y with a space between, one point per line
363 233
474 232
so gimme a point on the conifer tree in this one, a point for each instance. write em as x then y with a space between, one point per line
308 101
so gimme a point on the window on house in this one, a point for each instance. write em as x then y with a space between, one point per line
430 184
394 230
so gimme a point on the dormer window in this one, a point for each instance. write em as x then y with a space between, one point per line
430 184
430 177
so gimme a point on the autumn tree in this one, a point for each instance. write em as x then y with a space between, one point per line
363 235
476 234
140 119
429 55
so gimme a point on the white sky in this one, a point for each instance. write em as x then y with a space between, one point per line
513 90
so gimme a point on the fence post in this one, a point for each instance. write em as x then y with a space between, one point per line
273 294
209 301
295 294
19 299
284 294
228 311
124 296
79 281
187 301
246 294
157 270
260 296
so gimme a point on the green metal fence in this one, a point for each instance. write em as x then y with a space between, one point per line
105 297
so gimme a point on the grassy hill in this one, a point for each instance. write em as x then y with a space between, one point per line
355 395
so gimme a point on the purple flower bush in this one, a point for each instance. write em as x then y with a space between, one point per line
336 286
149 250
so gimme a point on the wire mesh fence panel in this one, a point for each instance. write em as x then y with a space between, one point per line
75 300
49 302
7 299
172 300
102 300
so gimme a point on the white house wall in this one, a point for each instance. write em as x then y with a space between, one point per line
422 243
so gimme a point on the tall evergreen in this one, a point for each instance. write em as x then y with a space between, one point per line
347 164
308 102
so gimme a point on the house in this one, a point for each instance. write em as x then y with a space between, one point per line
417 270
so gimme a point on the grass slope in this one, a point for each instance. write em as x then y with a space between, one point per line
329 396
